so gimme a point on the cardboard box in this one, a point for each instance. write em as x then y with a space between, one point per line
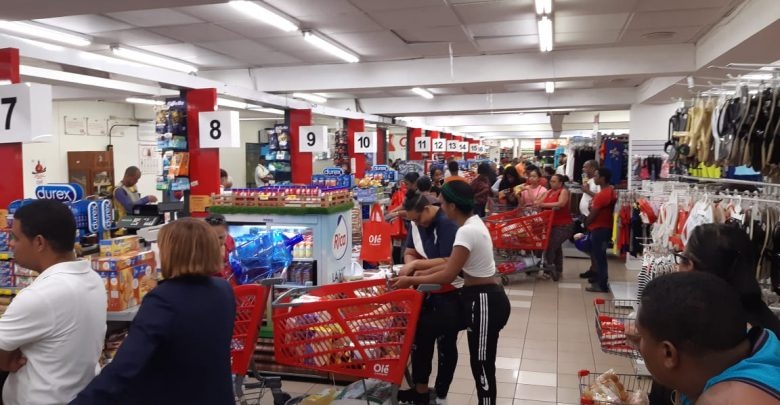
121 262
119 288
121 246
144 279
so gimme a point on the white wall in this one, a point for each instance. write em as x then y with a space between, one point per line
649 128
54 155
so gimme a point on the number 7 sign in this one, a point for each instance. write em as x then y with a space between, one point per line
25 113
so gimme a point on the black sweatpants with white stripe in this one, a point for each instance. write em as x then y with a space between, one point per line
485 309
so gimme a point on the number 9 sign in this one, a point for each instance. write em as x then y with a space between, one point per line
313 139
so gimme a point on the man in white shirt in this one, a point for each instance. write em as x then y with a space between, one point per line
51 335
589 189
561 165
262 174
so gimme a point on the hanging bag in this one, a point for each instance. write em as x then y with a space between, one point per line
376 238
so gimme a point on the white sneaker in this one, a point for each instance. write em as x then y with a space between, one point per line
440 401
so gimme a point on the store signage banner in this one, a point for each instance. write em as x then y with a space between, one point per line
93 217
439 145
106 215
452 146
422 144
365 142
463 147
313 139
340 235
219 129
64 192
25 113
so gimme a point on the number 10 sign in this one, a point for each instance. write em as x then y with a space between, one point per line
365 142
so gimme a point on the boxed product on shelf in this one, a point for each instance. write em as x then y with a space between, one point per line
180 165
119 289
23 272
22 282
144 279
5 240
340 180
7 273
285 196
174 142
180 184
370 194
120 246
114 263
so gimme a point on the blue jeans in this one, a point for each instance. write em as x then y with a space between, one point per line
599 239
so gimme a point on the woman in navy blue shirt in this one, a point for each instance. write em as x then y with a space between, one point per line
178 346
428 246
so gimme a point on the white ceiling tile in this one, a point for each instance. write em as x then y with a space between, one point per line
299 48
680 35
586 38
385 5
431 16
341 23
309 8
495 11
452 33
672 19
373 44
440 49
251 52
134 37
658 5
197 32
505 28
194 54
254 29
589 23
508 44
580 7
155 18
86 24
221 12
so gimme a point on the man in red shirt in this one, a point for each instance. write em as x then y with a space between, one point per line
600 222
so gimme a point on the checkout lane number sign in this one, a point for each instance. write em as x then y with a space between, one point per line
340 235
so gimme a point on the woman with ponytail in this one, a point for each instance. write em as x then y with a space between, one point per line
484 307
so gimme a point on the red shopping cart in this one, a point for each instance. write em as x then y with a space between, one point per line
251 302
357 328
630 384
616 326
517 241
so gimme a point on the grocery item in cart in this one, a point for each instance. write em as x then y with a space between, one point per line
260 254
607 389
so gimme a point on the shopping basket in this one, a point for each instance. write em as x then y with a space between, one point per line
367 337
616 326
631 383
251 301
338 291
531 232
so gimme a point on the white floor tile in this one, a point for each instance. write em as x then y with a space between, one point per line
520 304
573 286
521 293
537 378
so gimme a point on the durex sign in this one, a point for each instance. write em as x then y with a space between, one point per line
92 217
64 192
106 215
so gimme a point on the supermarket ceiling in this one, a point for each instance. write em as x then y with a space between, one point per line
475 56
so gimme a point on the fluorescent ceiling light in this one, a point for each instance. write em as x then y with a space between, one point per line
45 32
423 93
45 45
146 101
311 97
545 27
152 59
92 81
549 87
329 47
269 110
258 119
265 14
758 76
543 7
224 102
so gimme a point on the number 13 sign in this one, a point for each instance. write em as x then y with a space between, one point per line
365 142
25 113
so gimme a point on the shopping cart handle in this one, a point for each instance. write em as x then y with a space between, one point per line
272 281
428 287
291 292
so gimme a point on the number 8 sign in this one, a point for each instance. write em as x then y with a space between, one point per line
219 129
313 139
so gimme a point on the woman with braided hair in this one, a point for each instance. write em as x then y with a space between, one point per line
483 304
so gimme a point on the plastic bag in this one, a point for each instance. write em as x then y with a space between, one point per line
260 255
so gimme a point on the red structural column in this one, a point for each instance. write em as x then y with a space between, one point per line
12 185
204 163
302 163
353 126
411 136
381 146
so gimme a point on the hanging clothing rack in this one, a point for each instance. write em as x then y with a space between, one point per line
725 181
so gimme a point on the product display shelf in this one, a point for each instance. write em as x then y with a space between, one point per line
123 316
6 255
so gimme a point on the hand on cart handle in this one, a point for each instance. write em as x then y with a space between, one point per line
400 282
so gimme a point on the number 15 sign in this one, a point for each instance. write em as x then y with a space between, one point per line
25 113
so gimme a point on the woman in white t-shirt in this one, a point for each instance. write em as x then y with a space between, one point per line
484 305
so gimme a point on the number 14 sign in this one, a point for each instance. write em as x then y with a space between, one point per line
25 113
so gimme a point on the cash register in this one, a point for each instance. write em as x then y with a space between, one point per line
147 215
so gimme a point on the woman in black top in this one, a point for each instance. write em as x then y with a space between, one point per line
725 251
507 185
178 348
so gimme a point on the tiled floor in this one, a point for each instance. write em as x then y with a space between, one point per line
549 338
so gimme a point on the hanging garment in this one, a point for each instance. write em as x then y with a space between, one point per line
614 158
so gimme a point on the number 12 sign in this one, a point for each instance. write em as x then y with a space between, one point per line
439 145
365 142
25 113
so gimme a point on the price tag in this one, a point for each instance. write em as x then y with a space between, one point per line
452 146
25 113
313 139
439 145
365 142
422 144
463 147
473 148
219 129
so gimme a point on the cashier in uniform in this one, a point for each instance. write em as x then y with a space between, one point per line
126 195
428 246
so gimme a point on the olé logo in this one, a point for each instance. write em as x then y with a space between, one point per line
382 369
59 192
339 242
375 240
